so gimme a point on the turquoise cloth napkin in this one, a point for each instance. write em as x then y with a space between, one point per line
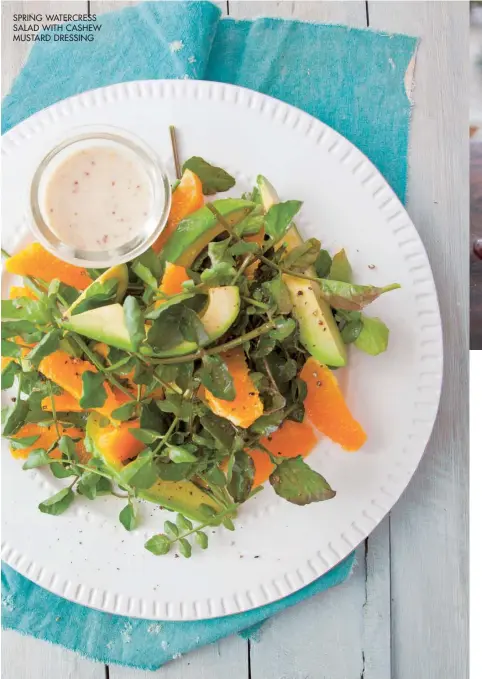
351 79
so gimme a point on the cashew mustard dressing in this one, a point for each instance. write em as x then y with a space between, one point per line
98 198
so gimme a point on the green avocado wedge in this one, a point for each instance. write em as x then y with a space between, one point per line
318 330
104 324
178 496
107 324
120 272
196 231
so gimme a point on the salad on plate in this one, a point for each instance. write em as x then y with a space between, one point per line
193 375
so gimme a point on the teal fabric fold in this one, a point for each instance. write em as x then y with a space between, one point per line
351 79
143 644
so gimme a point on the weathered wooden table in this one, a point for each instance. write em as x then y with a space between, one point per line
403 614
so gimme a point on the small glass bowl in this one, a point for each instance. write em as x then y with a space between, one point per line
154 222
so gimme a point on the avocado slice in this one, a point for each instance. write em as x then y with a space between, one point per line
104 324
318 330
120 272
107 323
179 496
196 231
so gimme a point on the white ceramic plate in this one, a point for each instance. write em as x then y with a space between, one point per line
86 555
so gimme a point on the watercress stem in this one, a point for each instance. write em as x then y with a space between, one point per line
166 436
222 220
254 302
175 151
119 364
263 329
54 410
246 262
5 254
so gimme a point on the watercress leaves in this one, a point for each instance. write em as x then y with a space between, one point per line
303 256
243 248
214 179
47 345
24 308
279 217
352 325
351 297
218 252
284 328
25 329
134 321
215 376
176 324
91 485
220 274
36 458
9 373
127 517
373 338
125 412
158 544
96 295
14 417
141 473
278 294
340 269
94 394
296 482
220 429
180 454
323 263
11 349
58 503
242 476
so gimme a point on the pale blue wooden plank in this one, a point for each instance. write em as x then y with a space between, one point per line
429 525
319 639
376 637
27 658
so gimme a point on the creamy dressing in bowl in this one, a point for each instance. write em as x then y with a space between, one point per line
99 199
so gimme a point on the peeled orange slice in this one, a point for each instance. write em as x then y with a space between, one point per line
290 440
35 261
187 198
247 405
326 407
67 371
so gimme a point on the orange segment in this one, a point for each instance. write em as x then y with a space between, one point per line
247 406
187 198
34 260
174 277
46 437
327 409
290 440
64 403
6 360
117 443
20 291
67 372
